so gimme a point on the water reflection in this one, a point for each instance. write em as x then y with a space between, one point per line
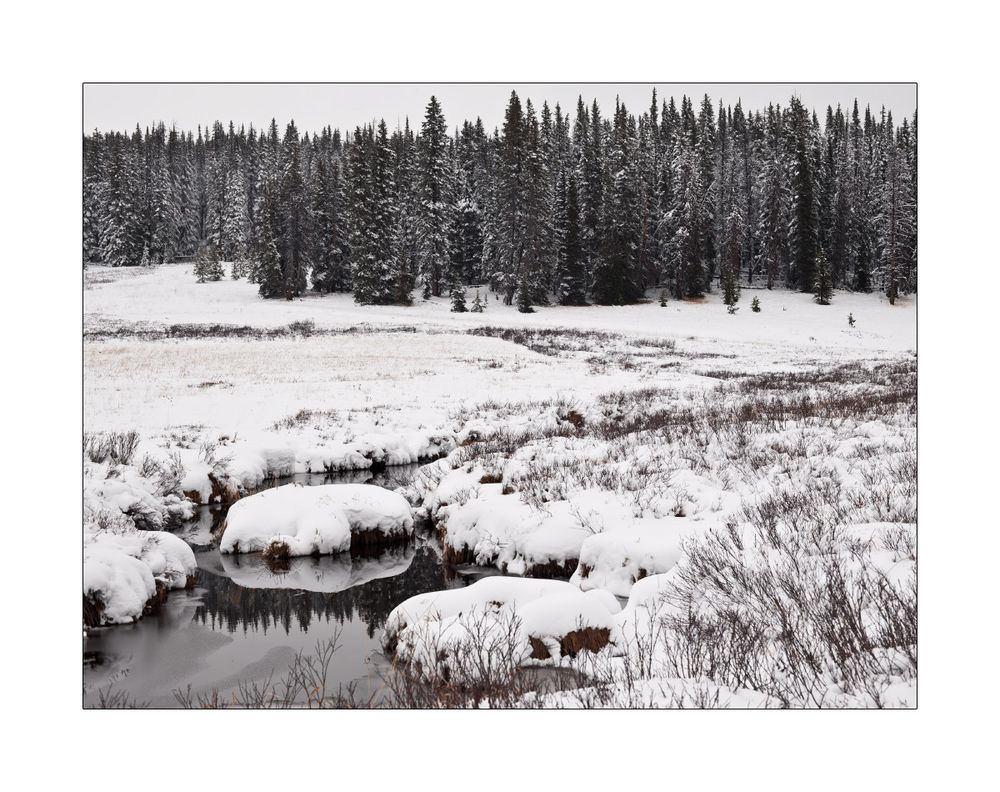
243 621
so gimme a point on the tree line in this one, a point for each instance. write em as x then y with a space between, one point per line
572 207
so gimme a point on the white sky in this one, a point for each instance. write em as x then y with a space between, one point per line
313 106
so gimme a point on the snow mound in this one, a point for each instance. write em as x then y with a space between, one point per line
496 624
322 519
615 560
120 570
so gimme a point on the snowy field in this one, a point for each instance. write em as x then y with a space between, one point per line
632 451
170 295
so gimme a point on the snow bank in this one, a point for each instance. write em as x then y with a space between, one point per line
121 570
615 560
496 624
120 489
502 530
322 519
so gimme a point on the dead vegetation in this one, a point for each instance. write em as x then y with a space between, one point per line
118 447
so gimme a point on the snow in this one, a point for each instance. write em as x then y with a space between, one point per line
171 295
657 693
120 569
494 620
615 560
318 519
395 385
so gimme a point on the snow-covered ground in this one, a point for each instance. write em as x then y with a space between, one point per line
630 449
170 295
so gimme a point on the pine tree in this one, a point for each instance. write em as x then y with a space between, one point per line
457 294
687 248
477 304
774 199
572 277
823 283
538 251
118 220
266 263
509 206
331 268
236 218
207 266
616 279
730 278
293 217
374 267
804 238
755 305
896 228
436 198
523 297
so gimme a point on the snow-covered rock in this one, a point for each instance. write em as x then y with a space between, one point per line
614 560
120 570
495 624
321 519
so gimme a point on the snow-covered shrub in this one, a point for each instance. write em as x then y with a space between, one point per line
808 612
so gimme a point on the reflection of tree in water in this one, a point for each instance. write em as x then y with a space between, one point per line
227 605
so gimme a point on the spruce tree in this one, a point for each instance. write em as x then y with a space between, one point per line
896 228
538 251
823 283
730 281
477 304
374 267
293 216
207 266
457 294
509 205
615 279
436 198
804 237
266 263
523 297
330 272
572 275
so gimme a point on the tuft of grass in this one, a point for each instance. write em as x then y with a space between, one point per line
119 447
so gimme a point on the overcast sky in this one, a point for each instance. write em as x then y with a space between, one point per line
121 107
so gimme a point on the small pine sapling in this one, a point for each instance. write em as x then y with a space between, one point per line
755 305
850 320
144 261
477 304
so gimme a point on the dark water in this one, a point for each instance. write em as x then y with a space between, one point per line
243 621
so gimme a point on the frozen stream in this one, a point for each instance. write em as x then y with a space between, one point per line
242 621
